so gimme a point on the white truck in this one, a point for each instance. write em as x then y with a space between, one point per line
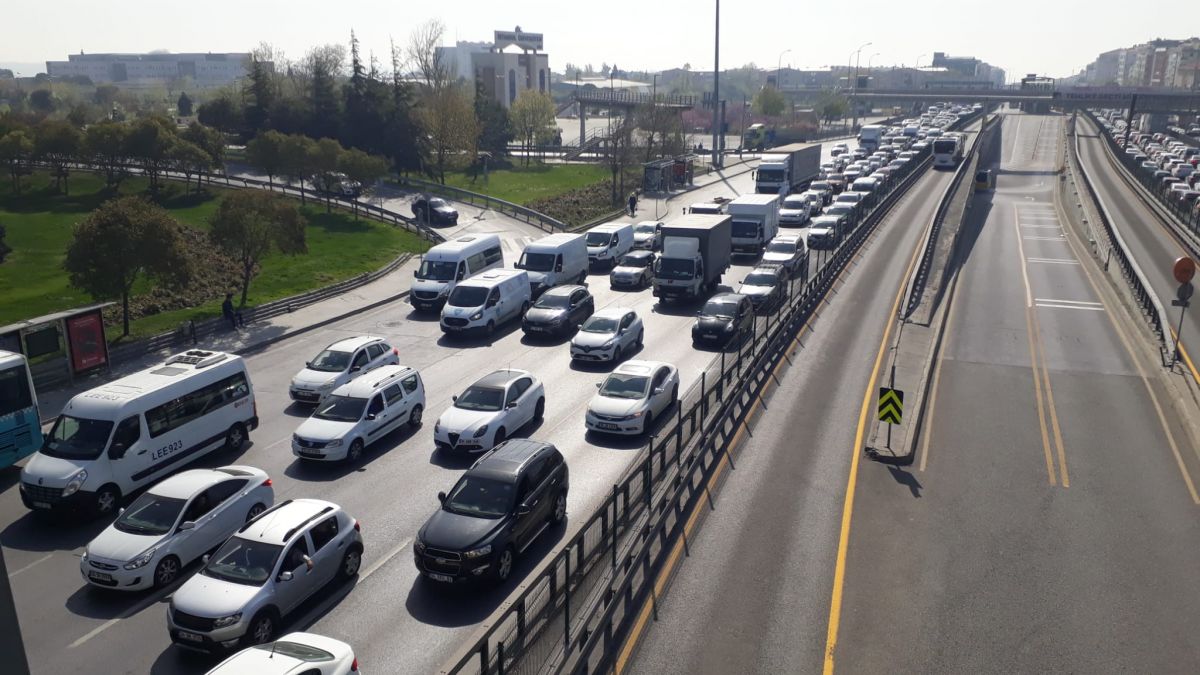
787 168
755 222
695 253
870 136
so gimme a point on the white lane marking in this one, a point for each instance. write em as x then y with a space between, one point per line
384 560
1012 156
317 613
1037 238
1042 227
1092 309
136 609
1053 261
35 562
1021 252
1070 302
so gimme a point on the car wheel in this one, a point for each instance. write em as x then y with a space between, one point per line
106 500
354 453
235 438
674 396
414 417
504 564
261 630
648 425
499 437
166 572
539 411
255 511
560 508
641 337
582 278
351 563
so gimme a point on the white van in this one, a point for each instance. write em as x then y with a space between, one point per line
555 260
450 262
361 412
113 439
607 243
486 300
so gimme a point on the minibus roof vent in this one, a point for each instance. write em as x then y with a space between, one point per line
198 358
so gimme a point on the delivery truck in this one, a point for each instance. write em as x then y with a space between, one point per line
696 251
788 168
755 222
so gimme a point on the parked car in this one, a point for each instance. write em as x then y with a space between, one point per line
634 270
632 396
494 513
559 311
725 319
608 335
434 211
496 406
292 654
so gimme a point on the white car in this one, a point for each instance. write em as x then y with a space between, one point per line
339 363
492 409
795 210
608 335
359 413
172 524
790 251
632 396
293 654
647 235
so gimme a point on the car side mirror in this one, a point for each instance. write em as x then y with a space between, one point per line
121 511
524 510
355 369
454 398
187 525
308 364
204 560
285 575
658 390
441 496
510 405
558 268
370 417
415 274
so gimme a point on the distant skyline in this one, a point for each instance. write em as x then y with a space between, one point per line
1021 36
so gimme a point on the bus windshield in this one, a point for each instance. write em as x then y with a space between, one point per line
15 395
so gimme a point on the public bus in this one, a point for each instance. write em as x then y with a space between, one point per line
947 151
20 425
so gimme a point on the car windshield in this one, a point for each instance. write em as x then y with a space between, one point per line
150 514
77 438
536 262
598 238
483 497
781 247
676 268
330 361
820 185
745 228
553 301
467 296
341 409
724 309
634 261
650 228
439 203
297 651
600 324
760 279
619 385
839 209
795 203
488 399
243 561
437 270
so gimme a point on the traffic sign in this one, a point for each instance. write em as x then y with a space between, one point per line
891 405
1184 269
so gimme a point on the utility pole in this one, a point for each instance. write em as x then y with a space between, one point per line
716 97
854 91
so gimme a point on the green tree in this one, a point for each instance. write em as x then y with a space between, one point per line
831 106
249 225
298 155
448 121
16 148
325 161
188 158
495 132
58 144
105 144
265 151
220 113
362 168
184 105
105 95
768 101
324 65
532 118
208 138
260 89
403 141
149 144
125 240
43 101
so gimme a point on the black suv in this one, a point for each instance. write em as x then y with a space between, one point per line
726 317
434 211
493 513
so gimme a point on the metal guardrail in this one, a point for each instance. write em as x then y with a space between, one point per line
539 220
566 616
1151 307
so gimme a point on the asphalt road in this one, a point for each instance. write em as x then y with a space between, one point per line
1047 525
397 622
753 593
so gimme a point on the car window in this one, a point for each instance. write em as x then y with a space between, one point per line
324 532
626 321
376 405
522 385
128 432
360 359
410 383
494 296
375 350
660 377
536 473
394 395
462 271
494 255
525 488
200 505
226 489
577 297
514 392
294 558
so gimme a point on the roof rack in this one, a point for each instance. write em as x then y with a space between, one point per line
391 377
270 510
198 358
308 520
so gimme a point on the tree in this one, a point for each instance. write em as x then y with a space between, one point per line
424 55
832 106
531 117
403 140
495 132
105 95
188 158
220 113
265 151
184 105
208 138
768 101
124 240
325 161
249 225
261 90
324 65
448 122
43 101
149 143
15 150
362 168
57 143
297 156
105 144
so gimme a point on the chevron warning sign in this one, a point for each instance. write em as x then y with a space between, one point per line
891 405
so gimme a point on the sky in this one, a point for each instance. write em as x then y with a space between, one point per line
1055 38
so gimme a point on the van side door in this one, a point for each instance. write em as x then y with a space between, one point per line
377 419
128 456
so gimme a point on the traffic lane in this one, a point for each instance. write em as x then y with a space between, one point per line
762 560
1150 242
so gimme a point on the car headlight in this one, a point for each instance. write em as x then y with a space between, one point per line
335 443
142 560
227 620
634 416
728 327
75 483
481 431
84 557
419 546
327 386
608 344
479 552
477 316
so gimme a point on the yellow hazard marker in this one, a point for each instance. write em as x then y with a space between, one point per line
891 405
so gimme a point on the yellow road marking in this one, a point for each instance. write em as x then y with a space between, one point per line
1033 359
1058 442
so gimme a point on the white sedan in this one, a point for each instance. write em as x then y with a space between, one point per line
491 410
632 396
608 335
292 654
172 524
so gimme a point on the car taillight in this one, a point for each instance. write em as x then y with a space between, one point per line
354 666
356 526
267 483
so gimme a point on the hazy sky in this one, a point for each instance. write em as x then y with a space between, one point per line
1053 37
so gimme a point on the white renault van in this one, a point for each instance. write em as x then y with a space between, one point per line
112 440
555 260
607 243
448 263
485 301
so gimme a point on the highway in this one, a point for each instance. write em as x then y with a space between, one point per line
397 622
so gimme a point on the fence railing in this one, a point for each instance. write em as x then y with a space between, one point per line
539 220
567 616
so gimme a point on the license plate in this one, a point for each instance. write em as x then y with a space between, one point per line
100 576
42 505
606 425
536 329
710 336
193 637
441 577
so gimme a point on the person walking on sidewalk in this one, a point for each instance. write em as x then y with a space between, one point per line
633 203
228 313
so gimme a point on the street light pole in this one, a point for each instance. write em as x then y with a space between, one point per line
716 149
778 68
854 91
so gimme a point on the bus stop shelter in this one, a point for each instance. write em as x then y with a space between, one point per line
60 347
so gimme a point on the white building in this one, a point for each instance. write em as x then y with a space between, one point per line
204 70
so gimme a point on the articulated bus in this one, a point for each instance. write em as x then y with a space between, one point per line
948 150
20 425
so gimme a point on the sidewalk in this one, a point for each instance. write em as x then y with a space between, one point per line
258 335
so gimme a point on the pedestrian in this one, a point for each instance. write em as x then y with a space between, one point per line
227 311
633 203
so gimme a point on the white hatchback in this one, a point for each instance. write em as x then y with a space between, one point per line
172 524
491 410
293 654
608 335
632 396
357 414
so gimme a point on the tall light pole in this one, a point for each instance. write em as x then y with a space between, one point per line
918 66
779 67
716 149
854 91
